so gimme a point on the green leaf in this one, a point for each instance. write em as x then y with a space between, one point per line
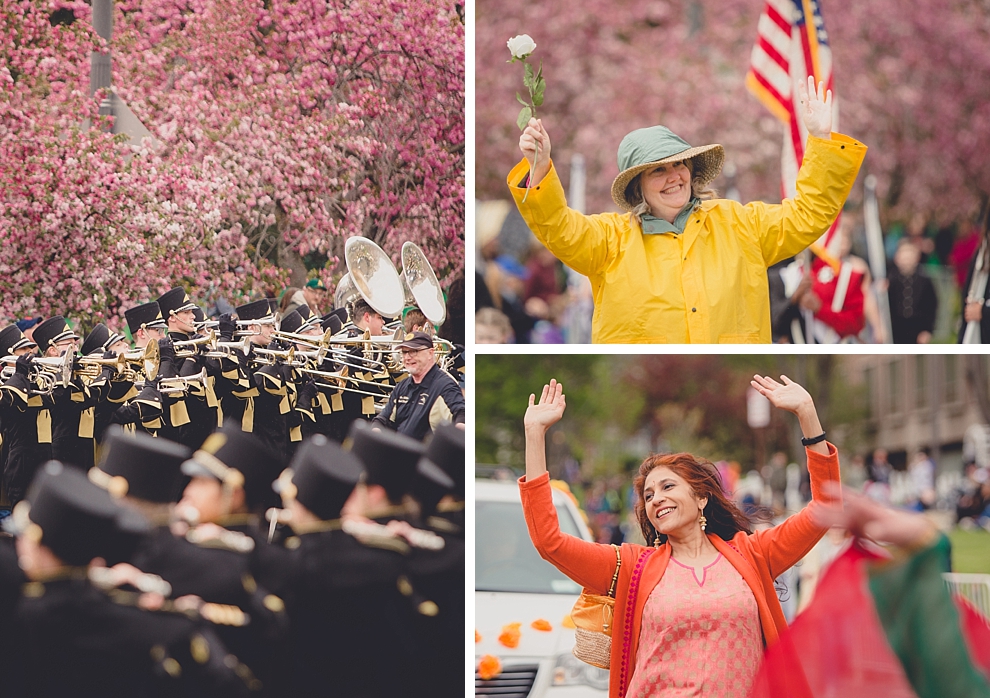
528 78
521 100
525 114
541 87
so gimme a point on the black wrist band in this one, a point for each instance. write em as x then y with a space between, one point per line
813 440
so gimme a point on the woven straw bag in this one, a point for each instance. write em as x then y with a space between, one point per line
592 616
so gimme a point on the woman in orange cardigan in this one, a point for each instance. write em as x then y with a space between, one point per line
694 611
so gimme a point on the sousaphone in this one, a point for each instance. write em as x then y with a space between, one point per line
422 283
373 275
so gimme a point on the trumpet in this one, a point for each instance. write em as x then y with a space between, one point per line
228 350
191 347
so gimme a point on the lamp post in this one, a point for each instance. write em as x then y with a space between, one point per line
99 63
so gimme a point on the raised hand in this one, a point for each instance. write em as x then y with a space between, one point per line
787 395
535 142
816 108
548 410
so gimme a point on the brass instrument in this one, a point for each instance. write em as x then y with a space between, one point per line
147 359
339 382
177 384
49 371
247 323
373 276
191 347
44 381
270 357
423 284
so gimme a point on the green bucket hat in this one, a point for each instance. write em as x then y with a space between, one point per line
646 148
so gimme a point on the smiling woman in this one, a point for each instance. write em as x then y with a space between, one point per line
681 265
705 588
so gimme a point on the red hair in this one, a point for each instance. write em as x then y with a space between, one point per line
724 517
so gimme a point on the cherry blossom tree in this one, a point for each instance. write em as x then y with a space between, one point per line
280 129
912 81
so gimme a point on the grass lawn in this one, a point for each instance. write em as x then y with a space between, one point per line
970 551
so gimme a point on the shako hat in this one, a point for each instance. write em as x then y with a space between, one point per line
140 466
389 458
12 339
51 332
100 339
323 475
238 459
446 450
145 316
175 301
646 148
260 310
334 320
77 520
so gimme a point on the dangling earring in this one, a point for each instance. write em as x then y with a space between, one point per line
703 521
656 541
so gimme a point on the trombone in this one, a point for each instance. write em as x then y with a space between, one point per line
340 380
177 384
147 360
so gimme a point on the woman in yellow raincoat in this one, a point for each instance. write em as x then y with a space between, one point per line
683 266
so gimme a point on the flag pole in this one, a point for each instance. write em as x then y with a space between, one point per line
878 260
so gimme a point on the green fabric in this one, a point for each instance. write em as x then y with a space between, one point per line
653 225
649 145
922 625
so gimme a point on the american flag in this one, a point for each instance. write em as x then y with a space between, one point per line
792 44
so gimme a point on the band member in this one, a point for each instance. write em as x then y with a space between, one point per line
429 396
73 402
199 402
328 559
212 566
259 398
79 633
147 325
123 404
25 417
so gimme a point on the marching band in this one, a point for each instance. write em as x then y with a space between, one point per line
149 485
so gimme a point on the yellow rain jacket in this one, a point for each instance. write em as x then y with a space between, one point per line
707 284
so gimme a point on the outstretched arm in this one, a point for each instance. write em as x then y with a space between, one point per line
589 564
783 545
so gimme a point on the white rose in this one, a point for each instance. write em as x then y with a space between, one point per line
521 46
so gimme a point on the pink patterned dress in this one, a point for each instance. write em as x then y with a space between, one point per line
699 637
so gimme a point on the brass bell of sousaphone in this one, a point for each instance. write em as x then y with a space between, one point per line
374 276
422 283
346 292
